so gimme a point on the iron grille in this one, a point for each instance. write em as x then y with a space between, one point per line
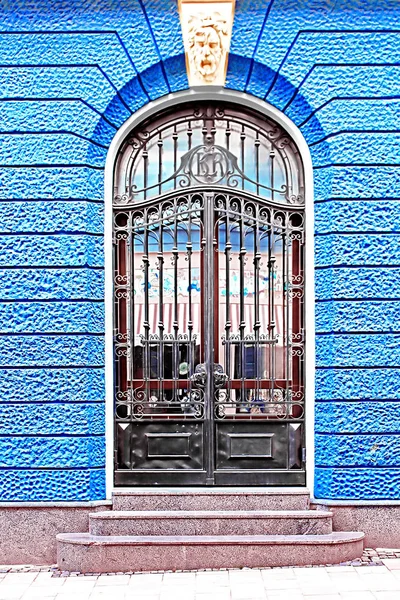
209 275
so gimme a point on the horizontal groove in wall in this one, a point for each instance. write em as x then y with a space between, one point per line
40 367
50 233
50 402
361 266
342 332
355 232
355 367
50 267
51 200
55 469
367 299
355 400
51 334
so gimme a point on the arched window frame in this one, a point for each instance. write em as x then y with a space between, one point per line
141 115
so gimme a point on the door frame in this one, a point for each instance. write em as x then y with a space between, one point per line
240 98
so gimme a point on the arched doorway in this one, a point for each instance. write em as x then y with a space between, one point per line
208 232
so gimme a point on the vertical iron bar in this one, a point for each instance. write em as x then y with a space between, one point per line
272 320
160 144
257 324
242 327
175 138
209 433
257 149
131 306
228 132
175 258
272 157
146 322
160 353
228 324
189 136
189 250
145 171
242 139
286 304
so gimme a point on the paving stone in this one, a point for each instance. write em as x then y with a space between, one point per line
391 563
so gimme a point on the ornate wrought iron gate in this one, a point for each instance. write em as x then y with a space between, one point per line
209 290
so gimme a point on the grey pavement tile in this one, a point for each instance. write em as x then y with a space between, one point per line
386 595
172 596
112 580
179 579
284 595
348 582
323 597
226 595
341 569
317 591
371 569
18 579
131 592
146 579
247 575
249 591
275 574
364 595
281 584
72 596
12 591
381 582
140 597
392 563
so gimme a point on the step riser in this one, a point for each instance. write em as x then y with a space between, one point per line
103 559
218 526
211 502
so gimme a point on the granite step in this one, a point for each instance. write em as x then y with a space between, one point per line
101 554
145 499
189 523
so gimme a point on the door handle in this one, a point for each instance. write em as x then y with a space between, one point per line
220 378
200 375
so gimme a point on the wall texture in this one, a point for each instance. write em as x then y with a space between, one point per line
71 73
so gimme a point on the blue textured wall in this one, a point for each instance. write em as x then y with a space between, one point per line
71 73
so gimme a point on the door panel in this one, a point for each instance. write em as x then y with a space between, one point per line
210 283
209 302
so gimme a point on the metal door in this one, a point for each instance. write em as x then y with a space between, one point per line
209 338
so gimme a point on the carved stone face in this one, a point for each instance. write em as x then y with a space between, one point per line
206 52
206 44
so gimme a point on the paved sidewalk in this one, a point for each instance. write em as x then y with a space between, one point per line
325 583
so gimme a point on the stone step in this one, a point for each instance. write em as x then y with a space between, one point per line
244 522
101 554
212 499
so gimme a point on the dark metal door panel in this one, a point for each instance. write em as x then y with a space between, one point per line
252 445
259 453
152 452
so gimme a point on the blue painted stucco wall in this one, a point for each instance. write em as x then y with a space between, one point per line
71 73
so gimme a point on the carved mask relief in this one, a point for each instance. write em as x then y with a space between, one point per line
206 29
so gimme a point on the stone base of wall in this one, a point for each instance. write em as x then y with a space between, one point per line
379 522
28 530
